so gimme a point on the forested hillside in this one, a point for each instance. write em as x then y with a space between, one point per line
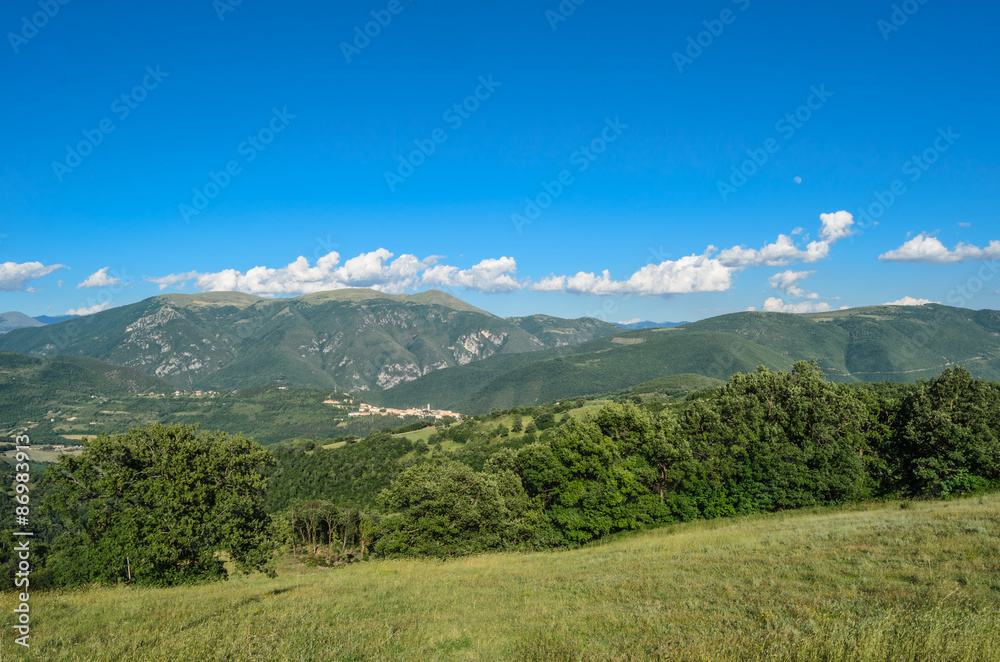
526 478
881 343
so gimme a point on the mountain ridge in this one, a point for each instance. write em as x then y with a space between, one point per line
872 343
354 339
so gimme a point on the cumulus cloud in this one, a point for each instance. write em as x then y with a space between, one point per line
776 254
376 270
694 273
928 249
89 310
777 305
490 275
551 283
908 301
100 278
15 277
835 226
779 253
787 282
784 250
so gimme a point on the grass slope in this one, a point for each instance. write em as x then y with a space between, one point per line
870 583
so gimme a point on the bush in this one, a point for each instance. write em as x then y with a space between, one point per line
444 508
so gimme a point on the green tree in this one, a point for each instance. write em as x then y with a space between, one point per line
444 508
545 421
948 436
161 505
586 483
778 440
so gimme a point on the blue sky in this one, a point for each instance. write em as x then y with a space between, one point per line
507 152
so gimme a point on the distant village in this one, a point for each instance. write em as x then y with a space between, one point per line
361 408
365 409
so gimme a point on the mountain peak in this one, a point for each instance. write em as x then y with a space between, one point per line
16 320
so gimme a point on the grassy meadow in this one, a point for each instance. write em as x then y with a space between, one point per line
919 581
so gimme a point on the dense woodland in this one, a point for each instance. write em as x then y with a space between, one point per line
178 501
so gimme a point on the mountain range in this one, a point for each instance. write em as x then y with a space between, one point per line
404 350
354 340
14 320
880 343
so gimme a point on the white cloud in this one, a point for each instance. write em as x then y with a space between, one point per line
924 248
909 301
100 278
694 273
377 270
780 253
632 321
373 270
89 310
490 275
835 226
776 305
589 283
15 277
551 283
787 282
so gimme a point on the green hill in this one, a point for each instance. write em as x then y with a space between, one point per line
354 340
880 343
31 388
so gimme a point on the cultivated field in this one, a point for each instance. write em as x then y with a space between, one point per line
879 582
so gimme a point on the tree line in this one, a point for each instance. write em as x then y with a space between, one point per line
172 504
